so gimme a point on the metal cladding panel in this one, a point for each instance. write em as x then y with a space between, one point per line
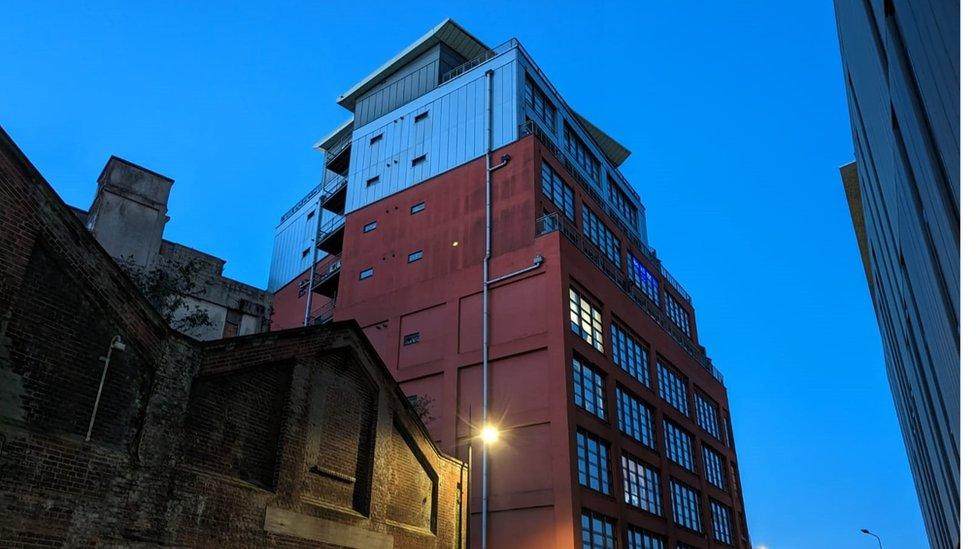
432 134
292 236
415 79
902 73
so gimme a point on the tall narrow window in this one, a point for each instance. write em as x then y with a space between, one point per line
638 538
601 235
706 413
634 418
629 354
588 388
672 388
579 152
619 198
585 320
555 189
593 460
597 530
714 467
643 279
721 523
642 485
685 506
677 314
537 102
679 446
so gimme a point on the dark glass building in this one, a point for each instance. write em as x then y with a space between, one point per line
901 68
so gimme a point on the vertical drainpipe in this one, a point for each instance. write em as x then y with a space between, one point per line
315 256
484 307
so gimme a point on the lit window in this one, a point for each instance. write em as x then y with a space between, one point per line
685 506
415 256
642 485
672 388
721 523
585 320
365 273
643 279
555 189
677 314
629 354
417 208
638 538
714 467
597 531
706 413
588 389
369 227
634 418
593 460
419 160
372 181
601 235
678 446
411 339
421 116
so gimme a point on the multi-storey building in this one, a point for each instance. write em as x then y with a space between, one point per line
901 68
615 426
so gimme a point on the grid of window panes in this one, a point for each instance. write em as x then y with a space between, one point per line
684 506
638 538
588 389
597 530
642 485
714 467
672 388
555 189
585 320
634 418
623 203
677 314
643 279
593 460
721 522
536 100
601 235
678 446
707 415
629 354
581 154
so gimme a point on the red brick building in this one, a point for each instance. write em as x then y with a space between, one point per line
294 438
615 426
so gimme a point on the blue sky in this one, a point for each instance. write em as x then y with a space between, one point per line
736 116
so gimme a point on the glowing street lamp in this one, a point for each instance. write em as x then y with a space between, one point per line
489 434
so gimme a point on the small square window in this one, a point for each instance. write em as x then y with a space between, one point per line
366 273
375 139
371 226
417 208
415 256
372 181
421 116
419 160
411 339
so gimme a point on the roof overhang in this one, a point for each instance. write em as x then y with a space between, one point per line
328 141
448 32
612 148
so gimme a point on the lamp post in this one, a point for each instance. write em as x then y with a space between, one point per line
867 532
488 436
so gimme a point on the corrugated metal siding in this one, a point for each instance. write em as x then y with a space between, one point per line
293 236
413 80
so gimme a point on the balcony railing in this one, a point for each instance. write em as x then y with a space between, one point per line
323 314
477 60
555 222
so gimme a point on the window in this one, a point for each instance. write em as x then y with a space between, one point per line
714 467
588 389
305 252
365 273
678 314
706 413
593 460
623 203
579 152
601 235
421 116
372 181
537 102
371 226
555 189
597 530
642 485
643 279
634 418
585 320
672 387
630 355
310 215
418 207
411 339
685 506
638 538
375 139
678 446
419 160
415 256
232 323
721 523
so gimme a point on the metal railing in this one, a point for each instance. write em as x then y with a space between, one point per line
554 222
323 314
301 203
477 60
330 227
675 284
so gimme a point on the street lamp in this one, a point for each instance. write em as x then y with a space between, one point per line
867 532
488 436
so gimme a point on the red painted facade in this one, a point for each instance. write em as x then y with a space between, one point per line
535 497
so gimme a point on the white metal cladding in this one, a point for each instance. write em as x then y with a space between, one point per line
292 237
401 150
410 82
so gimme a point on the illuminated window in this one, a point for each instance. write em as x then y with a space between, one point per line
585 320
643 279
642 485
